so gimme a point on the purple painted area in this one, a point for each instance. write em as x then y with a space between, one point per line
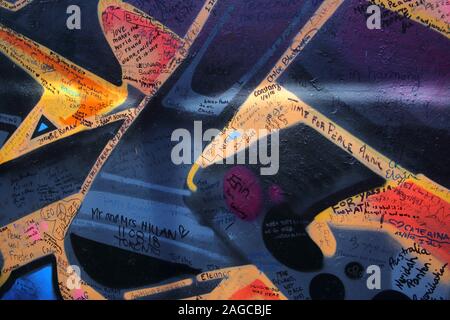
276 194
402 60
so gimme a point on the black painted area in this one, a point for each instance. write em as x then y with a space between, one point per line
19 93
286 239
326 286
390 295
354 270
316 174
118 268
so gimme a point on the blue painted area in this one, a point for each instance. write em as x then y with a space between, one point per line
113 177
36 285
234 135
42 127
3 136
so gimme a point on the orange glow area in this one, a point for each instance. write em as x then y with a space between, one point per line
71 94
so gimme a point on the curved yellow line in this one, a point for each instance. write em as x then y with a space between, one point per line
190 178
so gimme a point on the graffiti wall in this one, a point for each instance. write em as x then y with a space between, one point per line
224 149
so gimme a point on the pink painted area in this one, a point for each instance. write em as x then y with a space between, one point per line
78 294
243 193
32 232
147 57
44 226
